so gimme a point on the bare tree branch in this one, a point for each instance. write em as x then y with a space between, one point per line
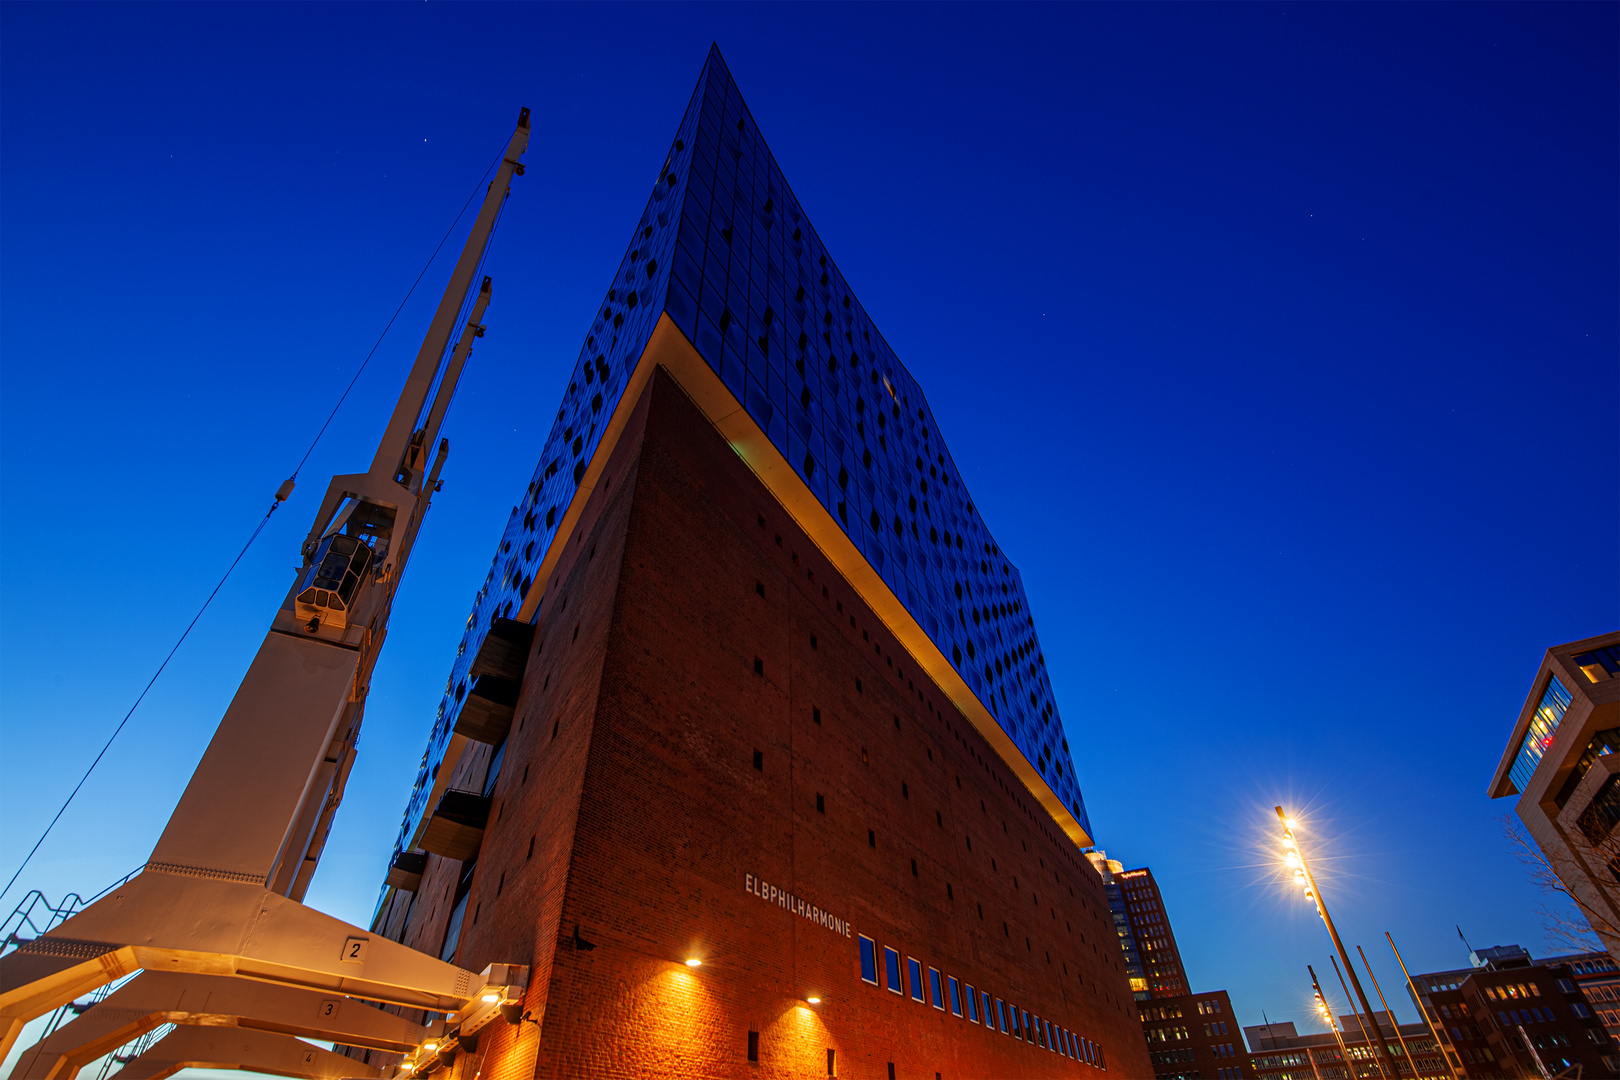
1564 932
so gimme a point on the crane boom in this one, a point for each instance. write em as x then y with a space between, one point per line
219 894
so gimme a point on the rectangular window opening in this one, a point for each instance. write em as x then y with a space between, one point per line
914 972
868 960
753 1046
891 970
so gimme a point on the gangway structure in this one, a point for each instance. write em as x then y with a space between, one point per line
214 920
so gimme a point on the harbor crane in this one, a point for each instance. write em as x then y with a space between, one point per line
214 920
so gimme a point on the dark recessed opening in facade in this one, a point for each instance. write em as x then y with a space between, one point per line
759 760
871 838
821 803
753 1046
759 666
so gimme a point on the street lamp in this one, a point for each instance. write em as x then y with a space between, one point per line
1417 999
1332 1023
1295 858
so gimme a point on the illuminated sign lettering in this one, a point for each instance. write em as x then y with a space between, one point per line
794 904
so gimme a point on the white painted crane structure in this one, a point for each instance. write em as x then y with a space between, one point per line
214 921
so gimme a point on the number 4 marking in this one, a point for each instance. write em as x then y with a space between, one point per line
354 950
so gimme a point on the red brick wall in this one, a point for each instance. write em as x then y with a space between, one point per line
649 815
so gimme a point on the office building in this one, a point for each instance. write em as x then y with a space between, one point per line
1560 763
1194 1037
1598 976
1508 1015
1152 960
749 750
1279 1052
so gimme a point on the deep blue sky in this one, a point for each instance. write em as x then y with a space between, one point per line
1277 345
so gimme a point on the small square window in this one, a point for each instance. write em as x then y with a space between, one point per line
935 990
891 969
914 971
868 960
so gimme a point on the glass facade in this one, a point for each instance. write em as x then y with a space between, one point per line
725 248
1543 726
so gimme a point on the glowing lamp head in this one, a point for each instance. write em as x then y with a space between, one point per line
694 962
490 999
814 1000
1289 822
1291 859
431 1045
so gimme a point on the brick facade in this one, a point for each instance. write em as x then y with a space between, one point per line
712 720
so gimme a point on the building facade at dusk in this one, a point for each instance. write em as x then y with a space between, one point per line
749 751
1560 762
1278 1052
1510 1016
1194 1037
1598 976
1142 926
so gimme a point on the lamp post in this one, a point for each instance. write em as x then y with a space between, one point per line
1333 1025
1417 999
1302 874
1405 1050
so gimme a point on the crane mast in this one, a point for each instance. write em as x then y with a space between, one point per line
220 896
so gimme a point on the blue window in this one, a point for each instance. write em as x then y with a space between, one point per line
1539 736
1017 1032
934 988
914 969
868 960
891 968
1001 1012
989 1013
956 995
972 1003
1029 1036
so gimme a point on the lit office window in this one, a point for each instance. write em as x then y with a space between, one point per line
868 960
1600 664
914 969
1539 736
891 968
934 989
956 996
